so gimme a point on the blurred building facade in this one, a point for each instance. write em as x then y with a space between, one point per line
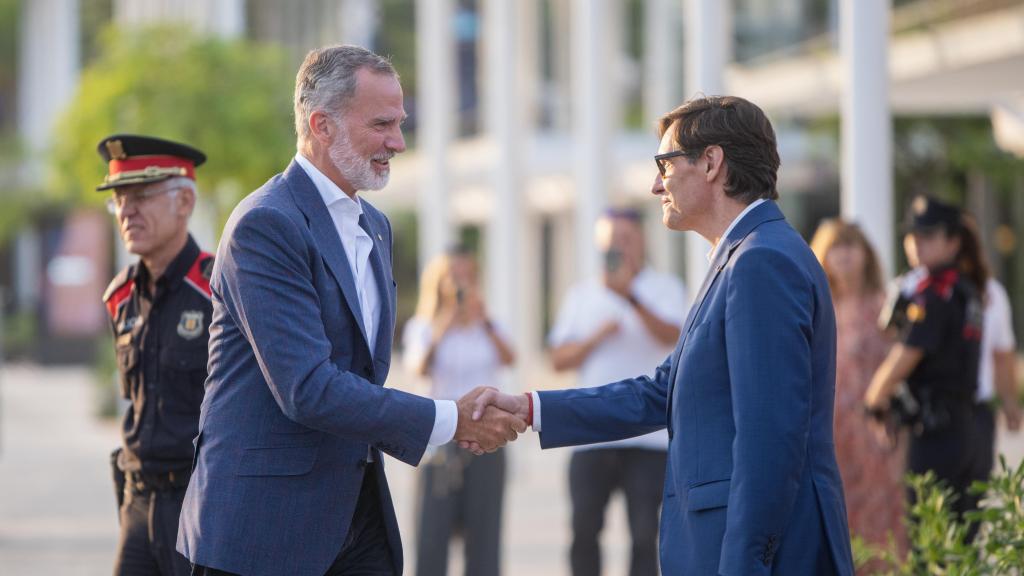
532 116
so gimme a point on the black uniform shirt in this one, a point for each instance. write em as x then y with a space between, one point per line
944 319
161 342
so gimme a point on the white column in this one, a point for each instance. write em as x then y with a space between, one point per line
358 22
507 289
590 112
866 166
660 43
47 74
707 32
658 99
435 67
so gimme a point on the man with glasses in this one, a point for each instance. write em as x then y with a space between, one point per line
160 315
748 394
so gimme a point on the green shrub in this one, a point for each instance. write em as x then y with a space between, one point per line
938 539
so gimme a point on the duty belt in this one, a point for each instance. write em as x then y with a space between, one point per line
157 481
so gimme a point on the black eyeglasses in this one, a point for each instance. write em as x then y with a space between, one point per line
661 159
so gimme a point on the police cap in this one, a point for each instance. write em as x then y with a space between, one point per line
133 159
927 213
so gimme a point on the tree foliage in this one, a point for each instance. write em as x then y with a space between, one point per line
230 98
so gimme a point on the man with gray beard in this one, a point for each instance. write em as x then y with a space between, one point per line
288 475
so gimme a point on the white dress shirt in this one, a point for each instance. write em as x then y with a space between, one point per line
735 221
345 212
711 257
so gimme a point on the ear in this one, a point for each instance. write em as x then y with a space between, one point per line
186 202
321 126
713 160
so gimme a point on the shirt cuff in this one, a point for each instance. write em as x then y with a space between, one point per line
446 418
536 412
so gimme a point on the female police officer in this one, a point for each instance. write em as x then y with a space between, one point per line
938 350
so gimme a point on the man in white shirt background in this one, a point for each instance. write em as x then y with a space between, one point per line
610 328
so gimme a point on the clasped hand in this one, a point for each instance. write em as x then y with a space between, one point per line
489 419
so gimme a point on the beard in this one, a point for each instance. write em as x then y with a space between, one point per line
359 171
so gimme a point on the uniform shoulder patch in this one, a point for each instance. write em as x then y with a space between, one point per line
198 276
915 312
206 267
119 290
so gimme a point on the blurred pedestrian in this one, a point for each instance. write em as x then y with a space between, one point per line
872 474
997 377
997 365
454 345
938 351
160 315
609 329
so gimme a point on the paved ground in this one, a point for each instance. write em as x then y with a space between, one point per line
57 507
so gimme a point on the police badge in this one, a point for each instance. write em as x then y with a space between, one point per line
191 324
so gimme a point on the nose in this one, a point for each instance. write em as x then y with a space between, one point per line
658 187
395 140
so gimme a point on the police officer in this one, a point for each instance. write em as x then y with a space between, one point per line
160 314
938 349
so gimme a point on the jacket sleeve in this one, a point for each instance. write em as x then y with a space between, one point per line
266 285
768 332
624 409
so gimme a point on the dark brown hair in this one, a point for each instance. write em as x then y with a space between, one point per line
971 259
743 132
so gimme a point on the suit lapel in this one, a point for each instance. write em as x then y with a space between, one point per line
765 212
709 280
383 285
326 236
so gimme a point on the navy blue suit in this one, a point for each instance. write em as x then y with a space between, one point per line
752 485
295 394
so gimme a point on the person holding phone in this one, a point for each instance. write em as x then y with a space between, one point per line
620 325
455 347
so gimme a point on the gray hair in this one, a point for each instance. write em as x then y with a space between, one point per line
178 182
327 81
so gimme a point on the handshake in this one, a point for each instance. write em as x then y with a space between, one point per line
489 419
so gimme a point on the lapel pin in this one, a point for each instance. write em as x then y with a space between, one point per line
379 238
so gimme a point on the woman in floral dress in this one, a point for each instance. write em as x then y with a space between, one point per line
872 474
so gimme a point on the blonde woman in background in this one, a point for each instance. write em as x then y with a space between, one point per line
872 474
454 345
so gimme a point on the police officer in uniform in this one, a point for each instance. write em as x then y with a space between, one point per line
160 314
938 350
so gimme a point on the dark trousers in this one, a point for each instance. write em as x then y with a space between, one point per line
951 453
593 476
365 552
149 531
461 493
984 441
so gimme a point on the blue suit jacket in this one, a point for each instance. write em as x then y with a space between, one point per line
295 393
752 485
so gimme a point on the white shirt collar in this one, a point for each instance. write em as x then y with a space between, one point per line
333 196
714 249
